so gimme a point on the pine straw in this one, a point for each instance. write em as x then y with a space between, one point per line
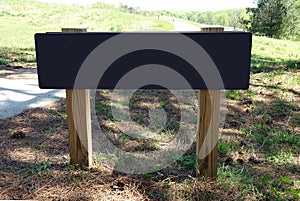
35 163
23 176
94 185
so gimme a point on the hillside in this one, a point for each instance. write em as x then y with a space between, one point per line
20 19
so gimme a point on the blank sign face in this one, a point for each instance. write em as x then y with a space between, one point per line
186 60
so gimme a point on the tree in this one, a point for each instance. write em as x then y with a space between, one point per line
223 18
292 21
268 18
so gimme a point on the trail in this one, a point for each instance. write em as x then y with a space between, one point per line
184 26
18 93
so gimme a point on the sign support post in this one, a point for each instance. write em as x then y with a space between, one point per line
79 121
208 118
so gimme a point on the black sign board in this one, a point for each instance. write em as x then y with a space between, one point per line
107 60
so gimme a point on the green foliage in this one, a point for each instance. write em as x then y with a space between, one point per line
285 137
261 134
291 28
228 17
272 188
3 60
187 162
267 19
233 94
225 147
38 168
104 109
281 157
59 114
222 148
274 141
274 18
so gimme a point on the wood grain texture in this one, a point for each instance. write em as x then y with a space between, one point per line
79 121
74 30
209 101
208 129
212 29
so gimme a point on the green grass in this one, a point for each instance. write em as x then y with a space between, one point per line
20 19
278 50
225 147
4 60
162 25
233 94
273 55
271 129
38 168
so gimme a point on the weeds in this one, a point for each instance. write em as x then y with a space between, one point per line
38 168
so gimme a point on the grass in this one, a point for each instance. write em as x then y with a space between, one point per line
26 17
39 168
259 147
272 55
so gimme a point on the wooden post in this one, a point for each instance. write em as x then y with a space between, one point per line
79 121
212 29
209 115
